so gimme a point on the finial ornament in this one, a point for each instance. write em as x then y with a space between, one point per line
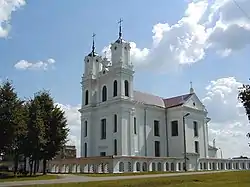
191 87
105 54
120 28
93 53
93 45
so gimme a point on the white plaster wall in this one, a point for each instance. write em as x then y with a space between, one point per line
176 144
176 148
212 153
199 114
106 111
144 140
190 138
120 53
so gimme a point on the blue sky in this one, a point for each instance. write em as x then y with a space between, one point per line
61 30
48 29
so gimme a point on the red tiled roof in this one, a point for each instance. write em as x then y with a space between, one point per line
149 99
159 101
176 101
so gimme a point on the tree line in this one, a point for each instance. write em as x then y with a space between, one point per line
33 129
244 96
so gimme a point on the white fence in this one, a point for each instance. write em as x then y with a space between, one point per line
120 164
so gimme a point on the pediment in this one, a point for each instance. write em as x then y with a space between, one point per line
195 103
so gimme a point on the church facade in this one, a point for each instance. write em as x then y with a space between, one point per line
118 120
124 130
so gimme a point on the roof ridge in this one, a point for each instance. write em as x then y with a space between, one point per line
148 94
178 96
164 97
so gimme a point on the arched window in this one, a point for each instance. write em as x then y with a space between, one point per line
115 88
104 93
126 85
115 147
86 97
121 167
138 166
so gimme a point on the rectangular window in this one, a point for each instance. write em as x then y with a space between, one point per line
103 129
174 127
196 145
195 128
85 129
115 123
157 149
85 149
115 147
102 153
156 128
135 127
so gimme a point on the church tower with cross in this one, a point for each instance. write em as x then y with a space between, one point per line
92 62
120 50
118 120
122 66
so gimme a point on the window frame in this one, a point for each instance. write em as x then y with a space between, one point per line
135 125
156 128
104 93
115 146
175 122
157 148
196 131
115 88
86 101
103 129
197 147
126 88
85 128
115 123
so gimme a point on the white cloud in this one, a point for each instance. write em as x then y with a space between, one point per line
229 124
7 7
74 122
40 65
218 24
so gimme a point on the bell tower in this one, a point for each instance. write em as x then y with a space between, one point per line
120 50
122 66
92 63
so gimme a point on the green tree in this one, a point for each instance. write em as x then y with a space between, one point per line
56 130
244 96
19 133
35 139
12 122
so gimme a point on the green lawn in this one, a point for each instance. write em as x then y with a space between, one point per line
10 177
129 174
228 179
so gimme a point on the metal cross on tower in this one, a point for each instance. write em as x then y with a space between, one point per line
93 45
120 27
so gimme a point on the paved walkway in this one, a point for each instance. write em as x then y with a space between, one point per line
78 178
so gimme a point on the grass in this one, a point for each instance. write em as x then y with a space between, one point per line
227 179
9 176
129 174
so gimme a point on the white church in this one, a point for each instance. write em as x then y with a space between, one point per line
118 120
124 130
